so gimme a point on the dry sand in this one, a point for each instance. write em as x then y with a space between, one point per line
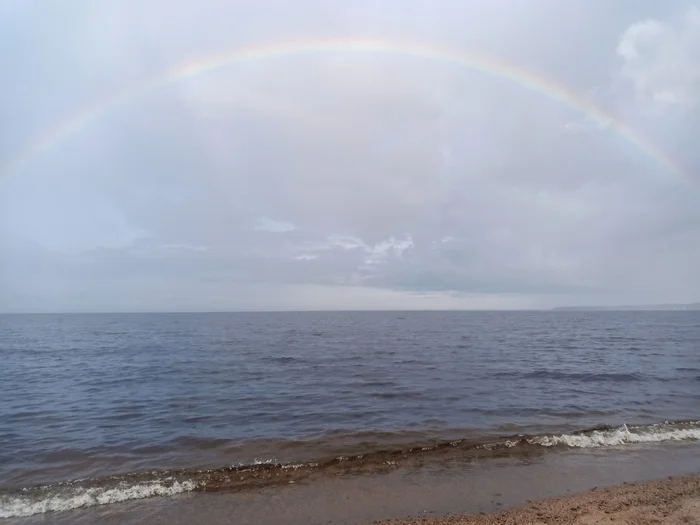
674 501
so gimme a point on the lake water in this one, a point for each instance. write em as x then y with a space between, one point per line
98 409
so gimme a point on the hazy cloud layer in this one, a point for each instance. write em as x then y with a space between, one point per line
348 180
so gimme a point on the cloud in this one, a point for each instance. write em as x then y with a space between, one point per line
587 124
350 180
662 59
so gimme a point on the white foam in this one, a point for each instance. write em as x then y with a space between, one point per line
295 466
269 461
78 497
620 436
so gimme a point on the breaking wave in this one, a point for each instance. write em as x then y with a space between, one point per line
623 435
73 496
263 472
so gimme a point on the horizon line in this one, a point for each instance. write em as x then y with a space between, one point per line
272 311
624 307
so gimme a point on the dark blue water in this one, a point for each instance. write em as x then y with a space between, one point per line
95 395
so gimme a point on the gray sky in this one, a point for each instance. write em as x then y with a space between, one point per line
345 180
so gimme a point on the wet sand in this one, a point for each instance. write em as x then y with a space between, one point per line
674 501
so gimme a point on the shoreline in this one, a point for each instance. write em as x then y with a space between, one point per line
345 454
671 501
406 494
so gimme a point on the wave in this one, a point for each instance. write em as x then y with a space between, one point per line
285 359
70 496
624 435
617 378
574 376
264 472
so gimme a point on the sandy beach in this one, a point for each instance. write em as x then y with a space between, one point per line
674 501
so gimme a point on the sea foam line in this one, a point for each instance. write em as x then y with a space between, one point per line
620 436
16 505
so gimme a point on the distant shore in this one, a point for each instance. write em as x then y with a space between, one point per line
673 501
625 308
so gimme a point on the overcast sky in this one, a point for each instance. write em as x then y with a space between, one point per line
347 180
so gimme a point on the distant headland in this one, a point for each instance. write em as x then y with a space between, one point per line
646 307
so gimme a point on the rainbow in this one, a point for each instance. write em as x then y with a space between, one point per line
509 72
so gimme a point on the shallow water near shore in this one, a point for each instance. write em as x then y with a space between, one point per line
429 490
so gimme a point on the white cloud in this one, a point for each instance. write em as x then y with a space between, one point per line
370 254
576 126
383 251
662 59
